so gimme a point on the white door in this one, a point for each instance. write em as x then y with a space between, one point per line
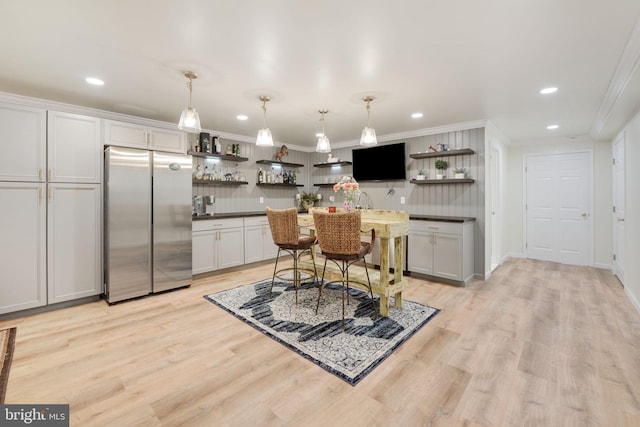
74 241
496 249
618 207
558 207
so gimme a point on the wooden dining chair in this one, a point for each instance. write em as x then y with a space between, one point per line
339 238
286 235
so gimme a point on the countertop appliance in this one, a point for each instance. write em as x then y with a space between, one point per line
147 222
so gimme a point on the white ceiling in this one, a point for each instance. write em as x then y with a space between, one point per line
455 61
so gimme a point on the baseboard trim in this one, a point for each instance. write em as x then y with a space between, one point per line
632 298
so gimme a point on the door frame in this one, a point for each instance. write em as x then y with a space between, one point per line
526 157
621 138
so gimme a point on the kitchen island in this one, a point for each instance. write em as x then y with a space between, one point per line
387 225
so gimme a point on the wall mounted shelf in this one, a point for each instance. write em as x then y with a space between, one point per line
449 153
325 184
217 156
214 182
443 181
328 165
265 184
274 162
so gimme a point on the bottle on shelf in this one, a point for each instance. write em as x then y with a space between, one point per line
260 177
217 145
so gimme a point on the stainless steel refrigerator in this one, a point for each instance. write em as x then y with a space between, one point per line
147 222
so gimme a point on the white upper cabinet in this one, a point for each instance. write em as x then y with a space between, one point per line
75 148
124 134
23 142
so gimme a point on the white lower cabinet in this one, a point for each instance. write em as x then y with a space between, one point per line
217 244
258 242
74 241
441 249
23 280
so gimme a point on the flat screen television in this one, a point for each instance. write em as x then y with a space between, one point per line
379 163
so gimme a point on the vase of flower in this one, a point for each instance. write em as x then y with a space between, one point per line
350 190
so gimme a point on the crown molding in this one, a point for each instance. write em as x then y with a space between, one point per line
625 70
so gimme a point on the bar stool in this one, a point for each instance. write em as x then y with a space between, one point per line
286 235
339 237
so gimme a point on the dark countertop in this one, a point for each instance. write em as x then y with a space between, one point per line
441 218
263 213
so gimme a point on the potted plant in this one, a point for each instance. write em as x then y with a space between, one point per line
441 165
308 200
422 174
459 173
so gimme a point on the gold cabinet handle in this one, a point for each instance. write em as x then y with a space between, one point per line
40 174
50 193
620 219
50 175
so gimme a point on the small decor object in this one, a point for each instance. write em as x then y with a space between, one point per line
459 173
282 153
332 209
308 200
350 189
422 174
434 149
441 165
331 159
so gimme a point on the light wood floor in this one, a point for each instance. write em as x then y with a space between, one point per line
538 344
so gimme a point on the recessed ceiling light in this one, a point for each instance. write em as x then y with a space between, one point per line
551 127
417 115
548 90
94 81
242 117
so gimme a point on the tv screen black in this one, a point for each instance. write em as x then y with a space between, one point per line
379 163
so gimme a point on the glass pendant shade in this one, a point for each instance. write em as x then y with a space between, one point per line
264 138
190 120
368 137
323 146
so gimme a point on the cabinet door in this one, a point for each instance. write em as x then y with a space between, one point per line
23 142
270 248
166 140
448 256
74 148
230 247
420 252
253 244
23 246
202 254
124 134
74 241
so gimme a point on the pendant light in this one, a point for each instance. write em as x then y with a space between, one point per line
324 146
368 137
264 135
189 120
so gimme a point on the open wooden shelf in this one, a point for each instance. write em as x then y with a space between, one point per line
217 182
328 165
217 156
443 181
274 162
449 153
267 184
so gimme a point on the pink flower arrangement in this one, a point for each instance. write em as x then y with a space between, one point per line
350 189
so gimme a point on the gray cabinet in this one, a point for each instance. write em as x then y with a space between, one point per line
441 249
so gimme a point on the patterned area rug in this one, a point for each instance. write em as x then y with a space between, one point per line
350 355
7 343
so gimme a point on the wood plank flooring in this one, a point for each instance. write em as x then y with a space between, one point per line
538 344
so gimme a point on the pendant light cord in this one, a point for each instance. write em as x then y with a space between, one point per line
190 91
264 112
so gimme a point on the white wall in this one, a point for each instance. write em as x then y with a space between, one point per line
602 199
632 212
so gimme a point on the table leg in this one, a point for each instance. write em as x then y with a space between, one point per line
398 267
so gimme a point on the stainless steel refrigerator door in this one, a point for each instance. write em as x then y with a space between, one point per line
171 221
127 223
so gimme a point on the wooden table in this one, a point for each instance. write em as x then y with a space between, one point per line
388 225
